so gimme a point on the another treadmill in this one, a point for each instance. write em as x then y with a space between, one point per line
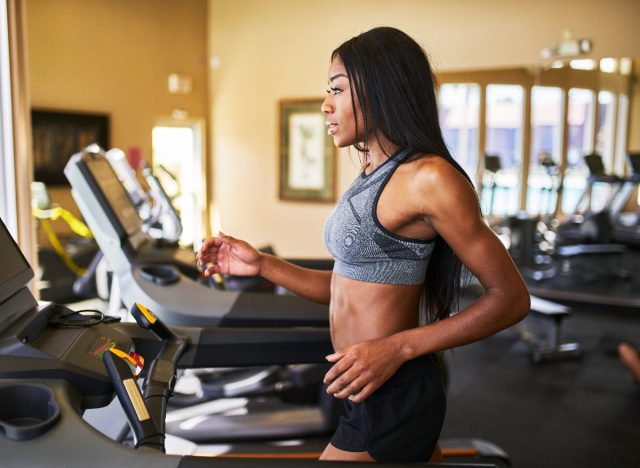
625 208
159 216
154 275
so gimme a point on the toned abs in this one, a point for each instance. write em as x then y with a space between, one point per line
361 311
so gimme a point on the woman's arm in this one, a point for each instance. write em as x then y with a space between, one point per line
314 285
450 205
226 255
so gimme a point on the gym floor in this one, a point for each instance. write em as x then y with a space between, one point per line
582 412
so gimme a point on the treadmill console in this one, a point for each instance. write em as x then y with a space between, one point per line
113 196
15 272
53 341
114 219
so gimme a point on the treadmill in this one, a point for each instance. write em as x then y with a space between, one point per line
155 274
159 216
162 221
625 209
56 363
145 269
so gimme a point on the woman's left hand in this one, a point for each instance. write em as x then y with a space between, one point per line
361 369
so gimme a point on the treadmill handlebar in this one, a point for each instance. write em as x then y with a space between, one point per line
146 413
148 320
142 424
161 374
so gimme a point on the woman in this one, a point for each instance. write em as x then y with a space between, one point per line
399 236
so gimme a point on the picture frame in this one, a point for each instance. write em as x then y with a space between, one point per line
306 152
57 135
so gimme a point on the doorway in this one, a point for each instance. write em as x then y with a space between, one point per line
178 162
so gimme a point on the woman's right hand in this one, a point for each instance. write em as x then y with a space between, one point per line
226 255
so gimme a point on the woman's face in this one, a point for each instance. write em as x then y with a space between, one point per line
338 108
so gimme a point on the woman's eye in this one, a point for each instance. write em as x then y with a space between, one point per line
334 90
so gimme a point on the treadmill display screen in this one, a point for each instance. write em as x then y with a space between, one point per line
115 195
15 272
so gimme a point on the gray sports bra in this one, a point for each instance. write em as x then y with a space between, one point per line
364 249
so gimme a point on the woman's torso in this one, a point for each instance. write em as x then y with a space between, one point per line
364 305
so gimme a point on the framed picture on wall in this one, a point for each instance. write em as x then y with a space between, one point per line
58 135
306 152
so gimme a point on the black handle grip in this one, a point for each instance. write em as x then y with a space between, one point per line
144 429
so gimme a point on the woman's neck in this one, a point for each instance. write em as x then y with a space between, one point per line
379 150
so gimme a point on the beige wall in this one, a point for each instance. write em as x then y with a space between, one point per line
270 50
114 57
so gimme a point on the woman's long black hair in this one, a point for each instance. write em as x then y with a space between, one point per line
390 75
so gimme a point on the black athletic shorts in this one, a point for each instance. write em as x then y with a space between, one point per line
401 420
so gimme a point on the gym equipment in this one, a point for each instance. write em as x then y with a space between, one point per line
65 258
524 246
168 220
152 274
143 270
161 221
543 249
589 224
56 363
531 237
625 207
542 330
492 166
549 191
159 217
588 232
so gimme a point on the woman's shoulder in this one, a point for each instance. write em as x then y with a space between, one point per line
429 169
437 186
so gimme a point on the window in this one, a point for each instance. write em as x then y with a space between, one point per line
620 154
580 143
576 108
546 135
583 64
459 115
605 128
504 139
605 132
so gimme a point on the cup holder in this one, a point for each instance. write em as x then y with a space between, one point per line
159 274
27 411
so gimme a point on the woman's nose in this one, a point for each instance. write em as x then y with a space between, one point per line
326 107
